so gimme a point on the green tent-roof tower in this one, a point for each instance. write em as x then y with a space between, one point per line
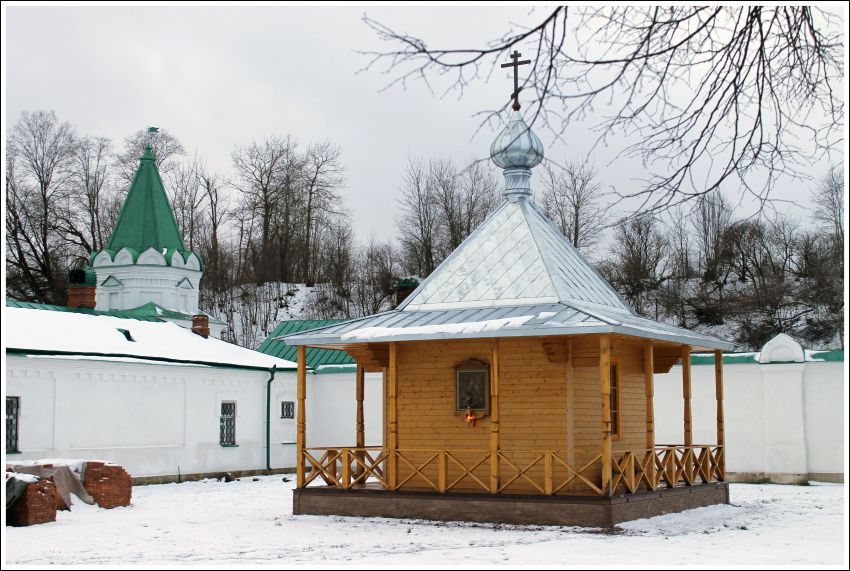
146 219
146 266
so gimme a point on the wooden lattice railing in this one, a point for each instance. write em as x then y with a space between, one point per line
672 465
544 472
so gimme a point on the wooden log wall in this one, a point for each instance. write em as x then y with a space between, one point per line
533 388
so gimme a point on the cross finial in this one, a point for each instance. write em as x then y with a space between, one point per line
515 64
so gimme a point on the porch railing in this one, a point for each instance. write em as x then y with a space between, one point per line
544 472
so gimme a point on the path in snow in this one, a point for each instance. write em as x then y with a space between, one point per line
250 522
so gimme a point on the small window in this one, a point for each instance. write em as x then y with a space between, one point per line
13 408
287 409
472 386
615 400
227 426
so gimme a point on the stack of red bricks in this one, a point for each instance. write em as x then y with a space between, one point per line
36 505
109 484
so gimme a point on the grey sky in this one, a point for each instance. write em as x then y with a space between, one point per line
220 76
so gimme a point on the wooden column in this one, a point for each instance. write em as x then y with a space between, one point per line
360 431
359 426
721 431
605 384
392 415
648 368
686 393
494 417
301 392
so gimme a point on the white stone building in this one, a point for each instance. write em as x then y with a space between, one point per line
158 399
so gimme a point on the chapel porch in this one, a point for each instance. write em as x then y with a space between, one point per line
597 485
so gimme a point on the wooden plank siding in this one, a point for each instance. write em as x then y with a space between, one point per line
533 392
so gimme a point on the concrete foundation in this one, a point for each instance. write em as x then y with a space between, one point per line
593 511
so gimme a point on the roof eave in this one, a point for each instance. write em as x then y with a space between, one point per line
696 342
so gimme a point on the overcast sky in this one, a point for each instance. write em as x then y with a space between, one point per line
216 77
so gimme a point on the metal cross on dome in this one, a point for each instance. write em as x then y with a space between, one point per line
515 64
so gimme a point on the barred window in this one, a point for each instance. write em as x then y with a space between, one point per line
13 408
227 425
287 409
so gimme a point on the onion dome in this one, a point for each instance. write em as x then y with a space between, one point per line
517 150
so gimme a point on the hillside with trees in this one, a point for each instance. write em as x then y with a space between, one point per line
278 243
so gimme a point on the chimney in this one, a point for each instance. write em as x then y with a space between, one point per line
404 288
201 325
82 287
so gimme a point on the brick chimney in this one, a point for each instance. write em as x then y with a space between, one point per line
201 325
404 288
82 287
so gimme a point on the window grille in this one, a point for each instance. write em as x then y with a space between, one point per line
287 409
227 430
13 408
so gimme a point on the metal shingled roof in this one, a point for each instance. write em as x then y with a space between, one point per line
515 275
516 257
503 321
316 358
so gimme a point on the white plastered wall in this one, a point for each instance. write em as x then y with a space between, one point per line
161 419
783 421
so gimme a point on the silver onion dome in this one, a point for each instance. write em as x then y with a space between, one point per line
517 150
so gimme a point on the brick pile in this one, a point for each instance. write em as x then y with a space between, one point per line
36 505
109 484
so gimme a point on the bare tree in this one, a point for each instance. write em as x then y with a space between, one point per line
85 215
39 156
571 199
166 147
710 219
829 202
188 199
375 271
322 179
711 95
477 188
419 219
266 173
214 216
639 263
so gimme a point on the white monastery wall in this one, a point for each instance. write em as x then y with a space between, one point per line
784 421
161 419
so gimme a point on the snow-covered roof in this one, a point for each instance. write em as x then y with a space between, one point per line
53 332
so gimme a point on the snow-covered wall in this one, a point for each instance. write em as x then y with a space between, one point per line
158 419
784 421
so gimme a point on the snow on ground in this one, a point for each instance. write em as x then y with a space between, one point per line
250 522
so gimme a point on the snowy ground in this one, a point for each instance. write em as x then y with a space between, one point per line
250 522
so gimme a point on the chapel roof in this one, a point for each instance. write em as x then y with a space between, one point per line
515 275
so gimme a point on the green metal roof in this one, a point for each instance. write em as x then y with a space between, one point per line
125 313
834 356
147 312
146 219
316 357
